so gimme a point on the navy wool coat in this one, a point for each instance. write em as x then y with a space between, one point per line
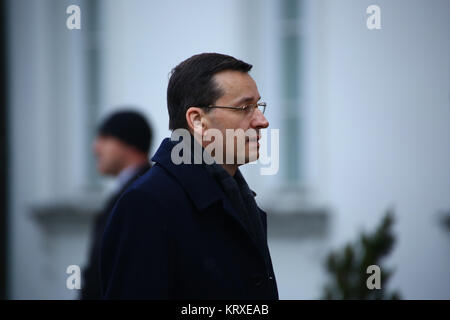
175 235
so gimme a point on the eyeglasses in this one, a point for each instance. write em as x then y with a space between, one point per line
248 108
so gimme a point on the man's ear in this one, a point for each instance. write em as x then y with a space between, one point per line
194 119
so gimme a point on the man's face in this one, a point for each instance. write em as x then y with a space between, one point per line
239 89
110 153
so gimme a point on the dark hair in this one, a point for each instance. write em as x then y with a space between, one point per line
191 84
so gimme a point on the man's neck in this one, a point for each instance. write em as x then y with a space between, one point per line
136 162
131 167
230 168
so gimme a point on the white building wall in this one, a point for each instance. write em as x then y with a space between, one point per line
388 114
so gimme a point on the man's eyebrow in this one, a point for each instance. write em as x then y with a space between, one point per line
247 99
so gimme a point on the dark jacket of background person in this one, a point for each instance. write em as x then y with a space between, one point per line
90 286
175 235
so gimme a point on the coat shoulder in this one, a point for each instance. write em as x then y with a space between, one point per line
156 188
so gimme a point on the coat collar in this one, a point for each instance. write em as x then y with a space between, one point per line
194 178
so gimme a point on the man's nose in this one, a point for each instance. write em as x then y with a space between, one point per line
95 147
259 120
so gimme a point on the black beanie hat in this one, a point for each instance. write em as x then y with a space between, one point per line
128 126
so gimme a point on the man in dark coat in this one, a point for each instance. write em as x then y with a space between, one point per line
121 147
191 229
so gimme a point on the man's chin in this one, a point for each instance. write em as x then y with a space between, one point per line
252 157
252 153
100 170
104 171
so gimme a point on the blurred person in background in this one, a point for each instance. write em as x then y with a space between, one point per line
122 150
